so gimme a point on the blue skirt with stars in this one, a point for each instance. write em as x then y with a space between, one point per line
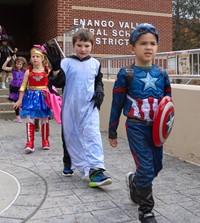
33 105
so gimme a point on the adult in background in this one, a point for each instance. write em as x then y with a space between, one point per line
5 51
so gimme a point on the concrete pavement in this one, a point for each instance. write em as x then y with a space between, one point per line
33 190
9 190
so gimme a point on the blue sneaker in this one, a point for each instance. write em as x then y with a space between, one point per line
67 172
98 178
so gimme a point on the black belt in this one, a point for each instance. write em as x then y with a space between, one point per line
138 120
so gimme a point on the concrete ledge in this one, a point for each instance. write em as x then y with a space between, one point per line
183 141
7 115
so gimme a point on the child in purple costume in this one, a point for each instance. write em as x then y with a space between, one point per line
18 71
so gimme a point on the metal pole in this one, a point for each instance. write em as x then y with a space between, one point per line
108 69
59 47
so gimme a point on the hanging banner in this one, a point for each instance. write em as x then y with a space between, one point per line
171 63
184 63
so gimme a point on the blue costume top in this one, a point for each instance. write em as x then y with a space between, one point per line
139 98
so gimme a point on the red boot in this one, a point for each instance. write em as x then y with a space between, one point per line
45 135
30 137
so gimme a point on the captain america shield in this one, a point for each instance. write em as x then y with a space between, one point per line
163 121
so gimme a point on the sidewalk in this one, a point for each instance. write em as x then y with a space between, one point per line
33 190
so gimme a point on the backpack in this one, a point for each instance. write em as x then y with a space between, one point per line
130 73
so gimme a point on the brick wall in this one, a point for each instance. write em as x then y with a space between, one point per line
162 22
138 5
17 22
64 15
108 42
46 19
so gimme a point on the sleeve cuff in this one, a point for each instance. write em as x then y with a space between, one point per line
112 135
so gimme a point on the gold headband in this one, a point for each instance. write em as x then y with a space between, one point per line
37 52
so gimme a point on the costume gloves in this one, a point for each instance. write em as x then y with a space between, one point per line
54 56
98 96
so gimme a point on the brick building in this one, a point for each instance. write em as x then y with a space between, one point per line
111 21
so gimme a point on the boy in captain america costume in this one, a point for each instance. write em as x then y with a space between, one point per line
139 97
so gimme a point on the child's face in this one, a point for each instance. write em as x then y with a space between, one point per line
5 42
18 65
145 49
36 59
82 48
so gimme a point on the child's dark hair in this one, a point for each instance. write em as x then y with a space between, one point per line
83 35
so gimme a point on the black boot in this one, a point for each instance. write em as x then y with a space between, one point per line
134 193
146 205
147 218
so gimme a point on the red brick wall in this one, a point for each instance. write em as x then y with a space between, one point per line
17 22
163 24
137 5
65 18
46 19
35 23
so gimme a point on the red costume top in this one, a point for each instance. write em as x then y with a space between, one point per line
38 81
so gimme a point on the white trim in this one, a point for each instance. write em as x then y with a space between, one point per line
18 191
131 12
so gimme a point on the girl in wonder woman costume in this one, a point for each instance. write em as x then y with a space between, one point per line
31 98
